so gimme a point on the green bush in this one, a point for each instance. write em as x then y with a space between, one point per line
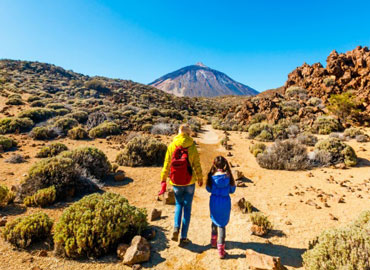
37 103
14 124
61 112
326 125
55 106
142 151
261 220
295 91
345 106
343 248
352 132
104 129
4 191
14 101
265 136
91 160
80 116
37 114
43 197
284 155
56 171
51 150
96 224
24 231
338 151
33 98
256 129
77 133
43 133
65 124
96 84
7 143
258 118
257 148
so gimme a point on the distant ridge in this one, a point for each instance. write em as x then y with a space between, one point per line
200 81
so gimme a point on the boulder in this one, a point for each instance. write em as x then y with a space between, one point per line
138 252
119 176
121 250
169 197
259 261
155 214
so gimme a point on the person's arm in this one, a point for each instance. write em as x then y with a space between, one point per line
197 169
209 189
167 163
232 189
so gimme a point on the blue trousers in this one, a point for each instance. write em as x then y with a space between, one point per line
184 199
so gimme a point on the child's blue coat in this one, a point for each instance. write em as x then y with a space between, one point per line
220 202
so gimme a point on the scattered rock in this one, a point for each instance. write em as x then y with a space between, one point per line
332 217
229 154
169 197
341 166
121 250
119 176
155 215
258 230
3 221
310 174
136 267
240 183
288 222
43 253
259 261
237 174
341 200
138 252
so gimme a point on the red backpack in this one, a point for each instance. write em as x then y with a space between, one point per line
181 171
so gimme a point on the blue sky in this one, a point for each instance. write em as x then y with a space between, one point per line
254 42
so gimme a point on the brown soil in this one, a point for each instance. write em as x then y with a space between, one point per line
267 190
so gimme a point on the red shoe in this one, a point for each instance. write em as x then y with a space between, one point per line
221 250
214 241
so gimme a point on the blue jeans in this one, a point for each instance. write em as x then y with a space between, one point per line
184 198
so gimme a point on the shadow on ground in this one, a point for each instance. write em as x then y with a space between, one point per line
289 256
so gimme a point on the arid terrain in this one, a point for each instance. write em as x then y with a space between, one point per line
290 199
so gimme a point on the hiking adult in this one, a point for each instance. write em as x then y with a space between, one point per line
182 166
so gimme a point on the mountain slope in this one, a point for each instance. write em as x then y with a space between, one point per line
200 80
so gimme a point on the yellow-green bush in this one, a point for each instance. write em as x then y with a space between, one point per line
14 101
338 151
3 193
51 150
7 143
261 220
43 133
104 129
14 124
257 148
255 130
37 114
23 231
142 151
95 225
43 197
343 248
77 133
326 125
56 171
352 132
64 124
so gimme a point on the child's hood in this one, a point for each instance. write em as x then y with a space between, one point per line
221 180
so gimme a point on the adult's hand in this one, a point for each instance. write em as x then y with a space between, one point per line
163 188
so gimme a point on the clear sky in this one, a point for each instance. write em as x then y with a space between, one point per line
254 42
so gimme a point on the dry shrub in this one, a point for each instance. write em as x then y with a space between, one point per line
51 150
307 139
257 148
326 125
105 129
44 133
14 124
15 159
77 133
7 143
285 155
43 197
142 151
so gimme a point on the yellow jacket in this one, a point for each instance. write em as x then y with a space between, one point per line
186 142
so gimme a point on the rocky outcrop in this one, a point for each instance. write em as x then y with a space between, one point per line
138 252
259 261
343 72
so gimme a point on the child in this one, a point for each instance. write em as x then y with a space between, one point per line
220 184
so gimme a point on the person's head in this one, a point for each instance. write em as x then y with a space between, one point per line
185 129
220 164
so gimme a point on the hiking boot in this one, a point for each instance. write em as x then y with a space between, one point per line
221 250
214 240
175 235
184 242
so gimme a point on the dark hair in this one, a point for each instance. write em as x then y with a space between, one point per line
220 163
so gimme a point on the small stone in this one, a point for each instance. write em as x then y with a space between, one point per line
3 221
43 253
258 230
310 174
237 174
240 183
341 166
341 200
119 176
229 154
138 252
290 194
155 215
261 261
169 197
121 250
332 217
136 267
288 222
